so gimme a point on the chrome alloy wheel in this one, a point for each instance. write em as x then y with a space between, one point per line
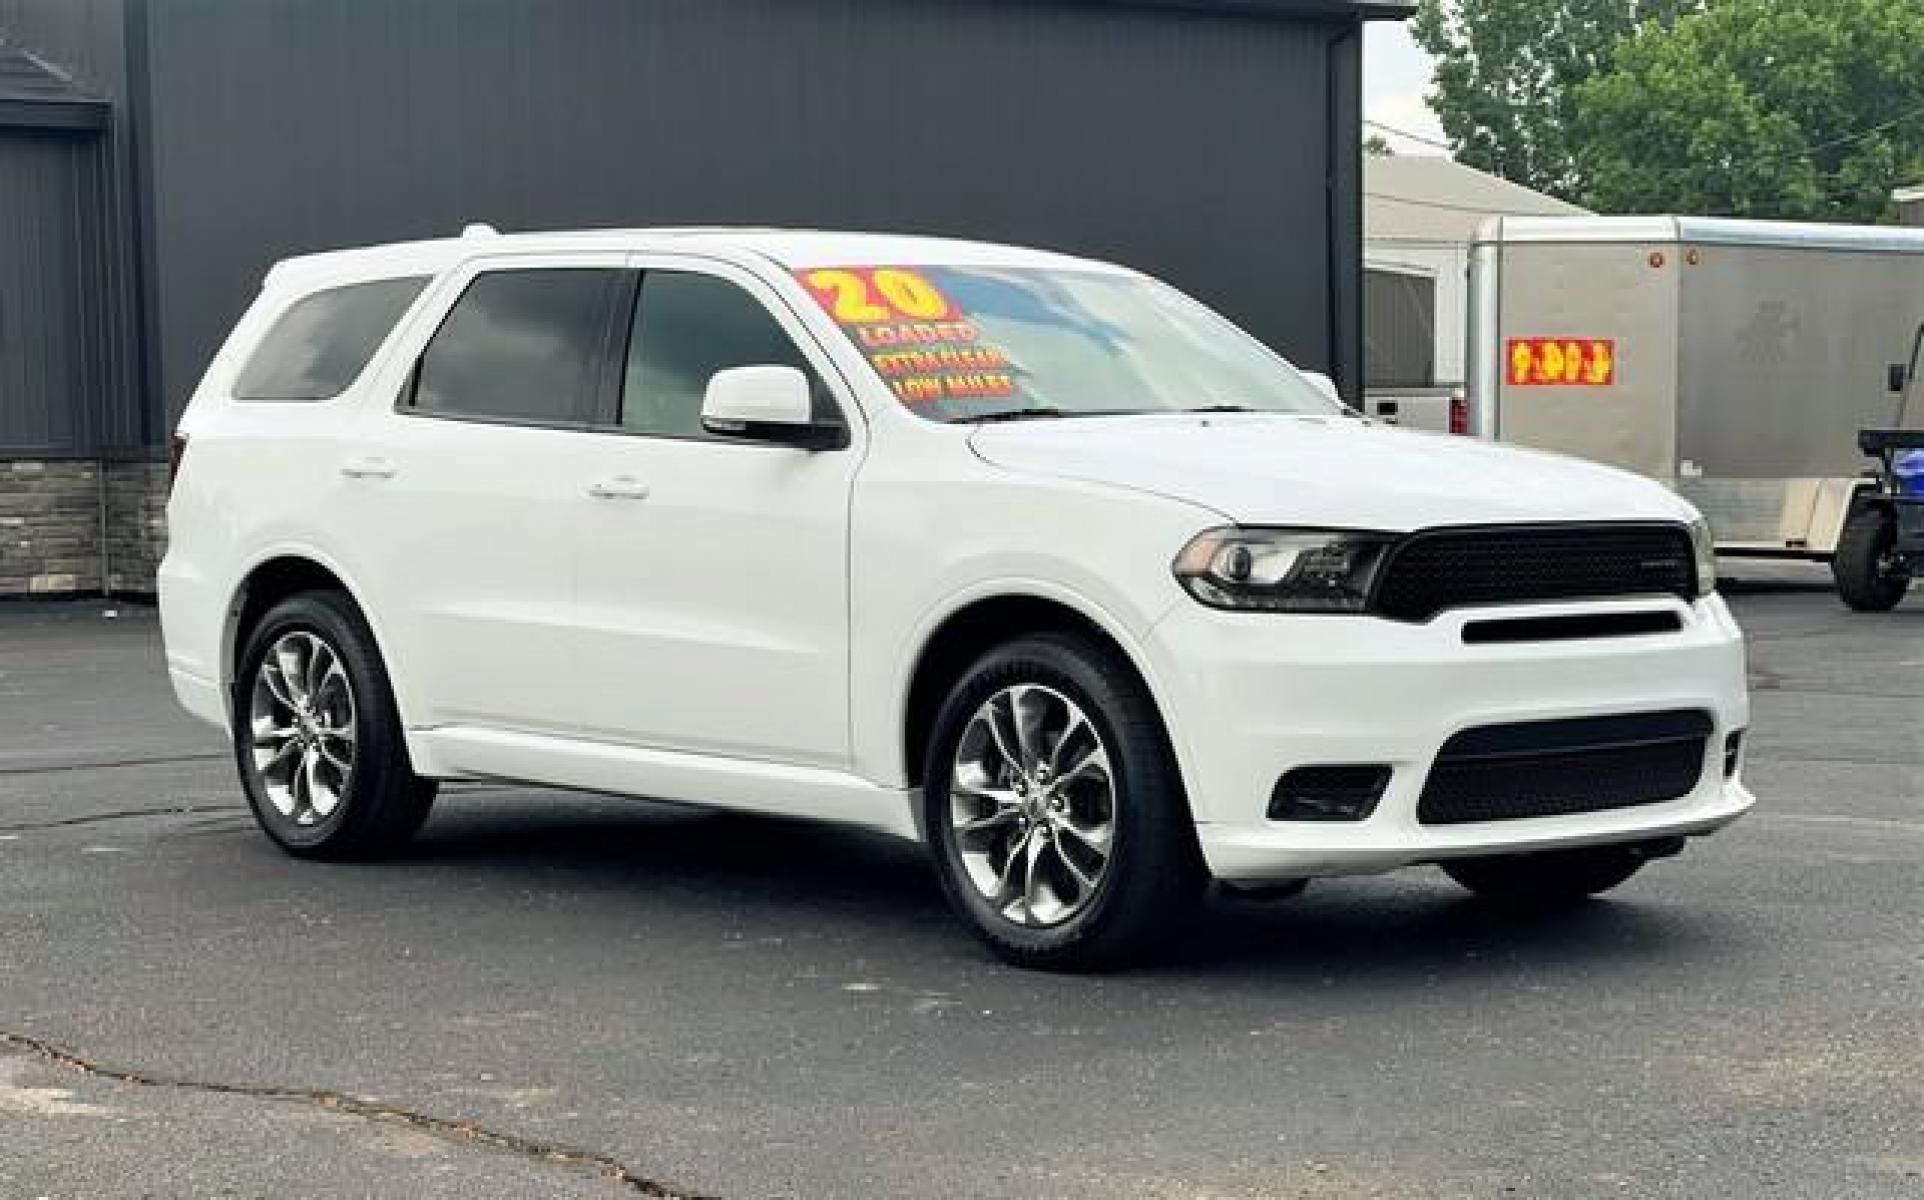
1032 803
302 721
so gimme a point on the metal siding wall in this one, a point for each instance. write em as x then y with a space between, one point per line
46 392
83 37
1342 127
88 39
1191 145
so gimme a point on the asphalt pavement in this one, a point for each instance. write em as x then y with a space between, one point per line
565 995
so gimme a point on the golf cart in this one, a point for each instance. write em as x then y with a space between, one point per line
1882 546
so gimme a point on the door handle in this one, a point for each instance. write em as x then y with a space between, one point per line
369 468
621 487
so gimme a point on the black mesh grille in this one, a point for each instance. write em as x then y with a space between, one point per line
1443 569
1557 768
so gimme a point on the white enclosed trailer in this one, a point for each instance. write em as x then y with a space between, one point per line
1733 360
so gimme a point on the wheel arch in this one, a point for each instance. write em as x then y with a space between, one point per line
976 624
273 577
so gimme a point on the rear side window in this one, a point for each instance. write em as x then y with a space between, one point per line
687 328
522 346
322 343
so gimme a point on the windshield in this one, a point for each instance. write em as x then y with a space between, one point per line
970 343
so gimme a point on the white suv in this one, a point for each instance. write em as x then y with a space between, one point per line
1030 558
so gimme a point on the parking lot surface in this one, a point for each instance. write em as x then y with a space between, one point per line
564 995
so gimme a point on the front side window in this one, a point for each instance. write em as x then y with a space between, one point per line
322 343
687 328
525 345
970 343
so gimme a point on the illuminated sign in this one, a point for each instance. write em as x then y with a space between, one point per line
1562 362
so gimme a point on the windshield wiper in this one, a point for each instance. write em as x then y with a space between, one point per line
1013 414
1222 408
1038 414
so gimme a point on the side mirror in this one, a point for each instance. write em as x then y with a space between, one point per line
1900 378
767 404
1325 385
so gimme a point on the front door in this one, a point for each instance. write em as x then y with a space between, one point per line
713 577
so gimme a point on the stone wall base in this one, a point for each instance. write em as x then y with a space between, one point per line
81 528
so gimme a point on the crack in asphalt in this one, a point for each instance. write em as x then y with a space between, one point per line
111 764
128 814
446 1128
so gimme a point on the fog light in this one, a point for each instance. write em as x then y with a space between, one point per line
1733 754
1328 793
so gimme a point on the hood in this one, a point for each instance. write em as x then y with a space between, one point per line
1332 472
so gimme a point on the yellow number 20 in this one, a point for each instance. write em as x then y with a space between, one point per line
851 304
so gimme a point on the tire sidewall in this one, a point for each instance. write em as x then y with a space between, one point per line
1138 775
1866 536
314 616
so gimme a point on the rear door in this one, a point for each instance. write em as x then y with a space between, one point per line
465 496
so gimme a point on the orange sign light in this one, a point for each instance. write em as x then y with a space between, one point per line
1562 362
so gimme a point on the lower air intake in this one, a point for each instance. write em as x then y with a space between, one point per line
1561 768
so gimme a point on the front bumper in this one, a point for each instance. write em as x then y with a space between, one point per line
1253 696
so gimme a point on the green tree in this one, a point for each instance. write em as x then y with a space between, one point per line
1807 109
1507 73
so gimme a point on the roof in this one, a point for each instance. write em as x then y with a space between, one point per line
1708 231
34 94
791 249
1416 198
1367 10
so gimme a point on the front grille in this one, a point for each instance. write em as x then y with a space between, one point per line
1434 571
1559 768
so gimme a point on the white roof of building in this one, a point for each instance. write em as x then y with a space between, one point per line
1415 198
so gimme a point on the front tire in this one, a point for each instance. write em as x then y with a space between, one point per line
1552 880
317 736
1868 574
1054 808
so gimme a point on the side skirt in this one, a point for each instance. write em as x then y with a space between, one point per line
775 789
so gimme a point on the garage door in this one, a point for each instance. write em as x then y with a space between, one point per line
48 241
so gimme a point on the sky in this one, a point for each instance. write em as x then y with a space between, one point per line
1396 74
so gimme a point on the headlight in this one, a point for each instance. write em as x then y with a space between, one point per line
1705 544
1282 570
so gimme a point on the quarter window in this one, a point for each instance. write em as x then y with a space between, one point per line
687 328
522 346
322 343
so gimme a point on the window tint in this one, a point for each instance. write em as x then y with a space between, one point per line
322 343
521 345
686 329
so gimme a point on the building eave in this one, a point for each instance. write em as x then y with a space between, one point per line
1354 10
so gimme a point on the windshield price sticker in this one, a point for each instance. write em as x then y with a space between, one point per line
1562 362
921 345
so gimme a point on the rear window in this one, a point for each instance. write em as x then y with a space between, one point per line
522 345
321 345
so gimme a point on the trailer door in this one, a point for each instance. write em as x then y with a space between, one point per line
1587 340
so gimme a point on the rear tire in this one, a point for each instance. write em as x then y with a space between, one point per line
317 737
1556 879
1868 577
1054 808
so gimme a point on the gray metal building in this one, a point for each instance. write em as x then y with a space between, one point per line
157 155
